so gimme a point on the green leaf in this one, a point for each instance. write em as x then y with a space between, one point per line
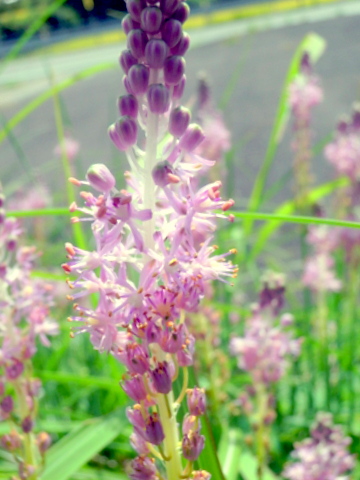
73 451
208 459
248 468
314 45
229 453
96 474
83 381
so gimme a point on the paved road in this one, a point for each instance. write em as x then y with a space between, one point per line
260 50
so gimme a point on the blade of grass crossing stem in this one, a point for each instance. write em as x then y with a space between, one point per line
229 453
41 212
30 31
286 209
314 45
70 189
39 100
73 451
302 220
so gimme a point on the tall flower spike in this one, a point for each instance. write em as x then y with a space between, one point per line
24 321
304 94
153 257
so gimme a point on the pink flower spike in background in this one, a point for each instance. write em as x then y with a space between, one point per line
323 456
24 322
70 146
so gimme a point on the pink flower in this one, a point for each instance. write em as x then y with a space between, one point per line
318 274
70 146
323 456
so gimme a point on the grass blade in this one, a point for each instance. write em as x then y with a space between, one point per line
30 32
287 208
73 451
40 99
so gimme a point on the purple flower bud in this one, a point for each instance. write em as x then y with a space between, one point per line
134 387
11 244
179 88
139 444
162 378
305 64
3 272
193 136
100 178
127 85
151 20
153 430
196 401
158 97
179 121
142 468
182 46
138 77
156 51
185 356
27 424
128 105
43 441
171 32
200 475
192 445
2 200
343 126
11 441
123 133
16 368
181 13
137 358
356 117
127 60
168 6
136 419
172 340
152 333
191 423
135 7
174 68
163 174
7 404
136 42
128 24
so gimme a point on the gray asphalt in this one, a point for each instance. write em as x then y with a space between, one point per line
261 60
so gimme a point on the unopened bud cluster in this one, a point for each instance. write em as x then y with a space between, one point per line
153 258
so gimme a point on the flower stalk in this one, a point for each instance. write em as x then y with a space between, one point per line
153 257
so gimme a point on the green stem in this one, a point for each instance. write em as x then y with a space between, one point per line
321 325
29 449
71 197
260 432
171 442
